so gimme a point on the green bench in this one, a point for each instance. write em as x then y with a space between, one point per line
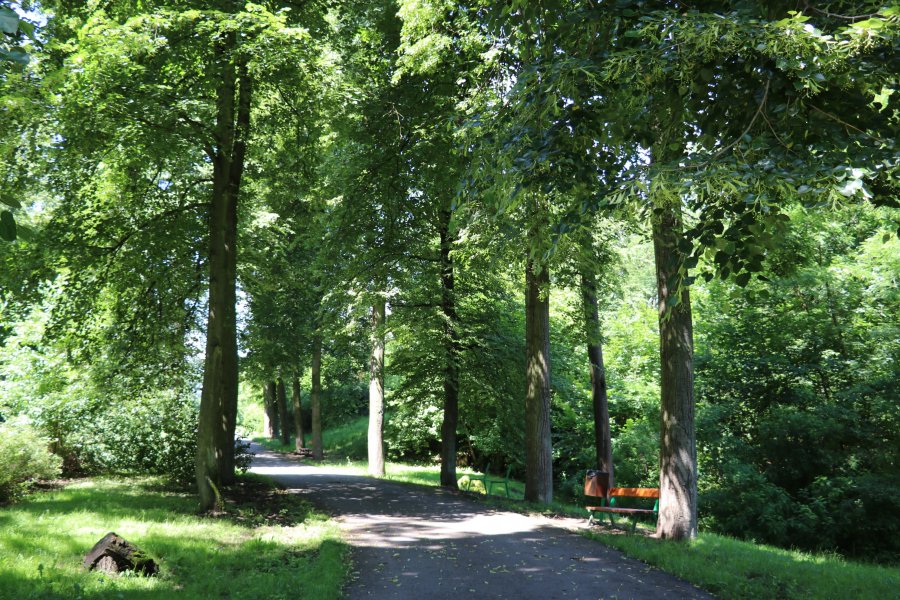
489 482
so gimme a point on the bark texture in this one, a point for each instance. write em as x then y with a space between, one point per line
283 412
678 451
599 397
298 414
270 410
452 351
315 397
376 392
218 399
538 446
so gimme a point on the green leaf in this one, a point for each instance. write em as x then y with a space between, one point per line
16 55
9 21
28 29
11 202
882 97
24 233
7 226
743 279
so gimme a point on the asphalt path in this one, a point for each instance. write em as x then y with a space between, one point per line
419 542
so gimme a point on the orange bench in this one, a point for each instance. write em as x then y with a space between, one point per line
594 487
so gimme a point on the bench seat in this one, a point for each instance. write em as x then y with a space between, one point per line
607 504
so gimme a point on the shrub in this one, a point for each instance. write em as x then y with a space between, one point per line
24 457
155 434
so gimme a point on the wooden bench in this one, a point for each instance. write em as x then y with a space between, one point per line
597 489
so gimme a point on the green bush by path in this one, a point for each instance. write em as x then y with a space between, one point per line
246 555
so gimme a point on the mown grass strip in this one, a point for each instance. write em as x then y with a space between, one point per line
275 548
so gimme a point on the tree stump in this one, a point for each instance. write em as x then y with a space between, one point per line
114 554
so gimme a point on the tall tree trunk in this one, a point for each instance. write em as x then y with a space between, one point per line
298 414
678 451
451 351
230 358
271 412
538 445
283 413
599 398
376 391
214 464
315 396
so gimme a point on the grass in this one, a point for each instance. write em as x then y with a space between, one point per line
727 567
271 544
340 443
740 570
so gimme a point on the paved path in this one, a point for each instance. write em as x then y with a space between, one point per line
429 543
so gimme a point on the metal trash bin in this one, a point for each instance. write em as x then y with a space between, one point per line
596 483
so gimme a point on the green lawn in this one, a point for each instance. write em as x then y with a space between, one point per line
726 567
280 549
740 570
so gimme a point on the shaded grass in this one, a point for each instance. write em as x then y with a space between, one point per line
277 548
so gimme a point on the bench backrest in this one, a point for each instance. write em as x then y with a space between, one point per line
634 492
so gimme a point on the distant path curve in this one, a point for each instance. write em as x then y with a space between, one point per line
430 543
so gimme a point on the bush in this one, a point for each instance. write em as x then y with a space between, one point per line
154 435
24 457
745 505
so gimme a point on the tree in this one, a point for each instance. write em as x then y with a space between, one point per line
283 412
316 396
218 398
298 413
195 112
376 392
593 336
271 409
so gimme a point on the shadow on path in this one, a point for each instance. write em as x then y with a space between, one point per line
420 542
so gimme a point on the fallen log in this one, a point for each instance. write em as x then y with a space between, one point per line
114 554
